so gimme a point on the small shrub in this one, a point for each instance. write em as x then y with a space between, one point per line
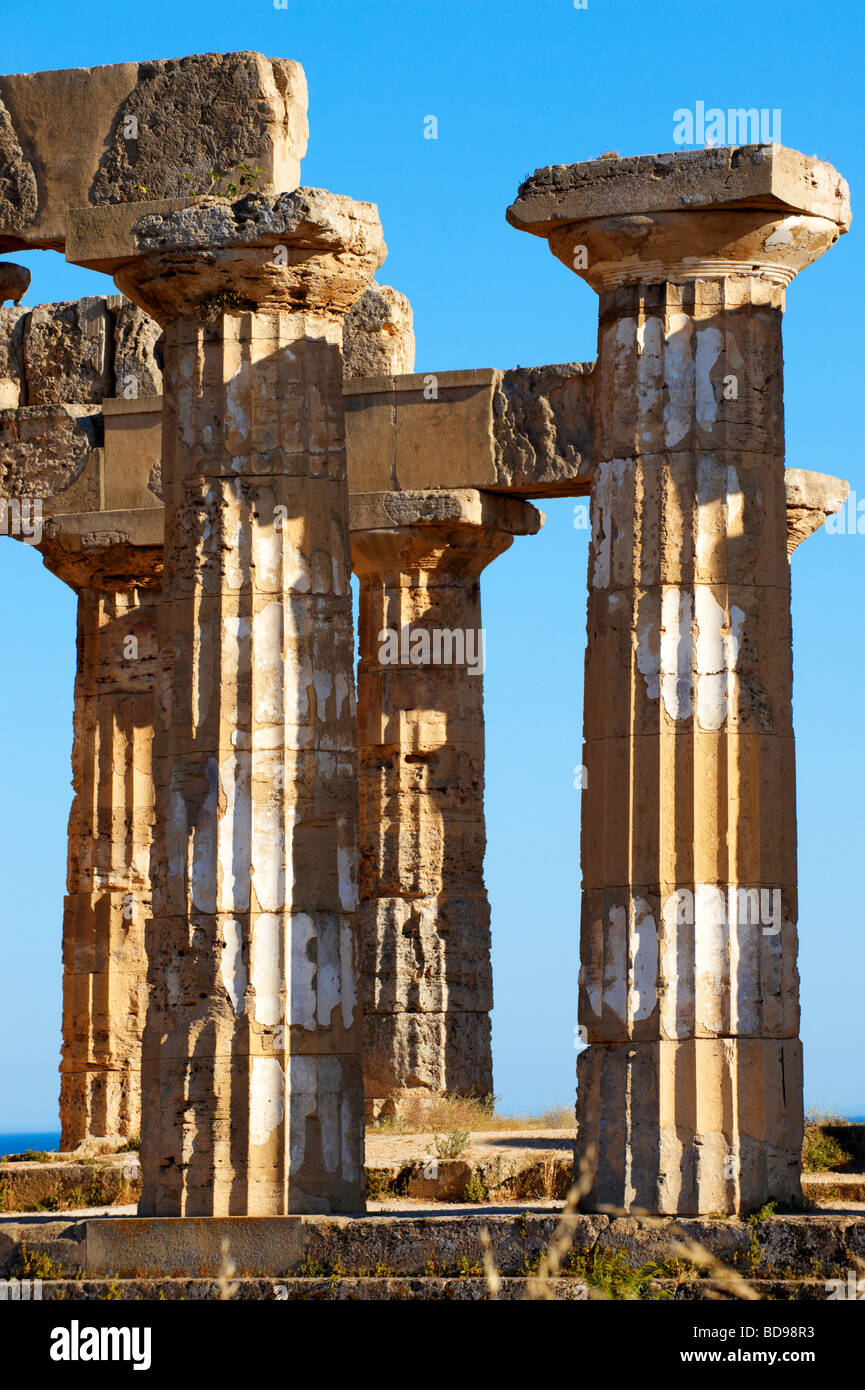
475 1191
453 1144
823 1152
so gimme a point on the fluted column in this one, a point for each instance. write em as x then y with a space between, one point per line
424 912
690 1092
251 1076
108 900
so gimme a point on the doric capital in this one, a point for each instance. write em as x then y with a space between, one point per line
753 210
459 531
306 251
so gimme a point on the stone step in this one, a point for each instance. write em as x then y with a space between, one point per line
829 1187
402 1245
369 1288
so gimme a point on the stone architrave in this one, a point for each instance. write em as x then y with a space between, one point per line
424 912
251 1052
690 1091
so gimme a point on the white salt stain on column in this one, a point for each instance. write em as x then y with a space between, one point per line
615 962
342 689
266 1098
323 683
717 652
234 839
300 971
678 378
711 956
303 1102
664 654
327 981
346 859
267 967
233 968
269 668
176 829
643 962
708 350
650 366
676 654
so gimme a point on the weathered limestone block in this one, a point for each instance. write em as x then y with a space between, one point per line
544 428
252 1041
19 198
526 431
13 389
46 450
138 348
129 132
108 902
424 913
14 282
377 336
689 1096
68 353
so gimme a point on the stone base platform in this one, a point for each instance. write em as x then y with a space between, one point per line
408 1256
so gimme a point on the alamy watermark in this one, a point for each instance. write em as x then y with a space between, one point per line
438 646
736 126
21 517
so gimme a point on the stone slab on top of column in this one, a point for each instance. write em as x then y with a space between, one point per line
166 129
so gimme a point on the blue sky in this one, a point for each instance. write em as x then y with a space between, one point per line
514 85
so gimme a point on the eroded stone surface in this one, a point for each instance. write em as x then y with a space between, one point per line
68 352
377 336
424 913
134 132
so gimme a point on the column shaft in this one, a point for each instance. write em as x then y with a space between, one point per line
108 901
689 988
424 912
252 1044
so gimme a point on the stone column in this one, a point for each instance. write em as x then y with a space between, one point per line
251 1076
110 825
424 913
690 1092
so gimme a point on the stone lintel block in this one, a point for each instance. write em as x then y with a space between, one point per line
52 449
769 177
692 1127
132 465
528 431
85 137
